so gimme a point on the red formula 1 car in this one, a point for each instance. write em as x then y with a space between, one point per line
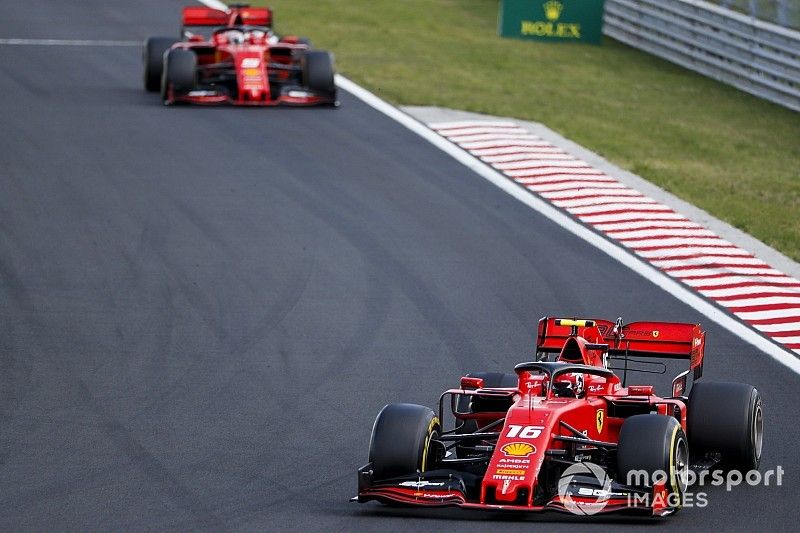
234 57
568 435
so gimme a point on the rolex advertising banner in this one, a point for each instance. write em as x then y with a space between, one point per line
552 20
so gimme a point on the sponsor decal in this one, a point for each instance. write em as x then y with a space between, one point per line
506 484
514 461
432 495
656 333
518 449
510 471
552 10
251 62
601 415
551 28
421 484
595 388
506 477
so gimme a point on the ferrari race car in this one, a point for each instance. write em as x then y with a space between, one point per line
233 56
568 435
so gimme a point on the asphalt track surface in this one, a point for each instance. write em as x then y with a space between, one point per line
202 310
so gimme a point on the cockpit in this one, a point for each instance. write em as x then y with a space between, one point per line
241 35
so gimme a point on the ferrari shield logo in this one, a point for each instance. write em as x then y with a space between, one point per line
600 418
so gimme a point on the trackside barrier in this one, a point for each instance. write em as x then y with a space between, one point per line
760 58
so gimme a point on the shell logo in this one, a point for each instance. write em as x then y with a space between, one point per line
518 449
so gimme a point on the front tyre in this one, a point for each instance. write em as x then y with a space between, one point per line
153 60
401 440
180 73
318 71
652 446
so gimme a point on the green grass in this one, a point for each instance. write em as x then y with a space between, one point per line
729 153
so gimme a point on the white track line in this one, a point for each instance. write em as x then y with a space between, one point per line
703 261
582 186
522 156
752 289
627 216
760 315
778 281
676 242
724 270
659 233
506 144
560 179
658 278
475 130
777 328
66 42
722 251
619 206
582 192
467 124
541 163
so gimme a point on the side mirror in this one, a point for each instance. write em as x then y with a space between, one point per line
471 383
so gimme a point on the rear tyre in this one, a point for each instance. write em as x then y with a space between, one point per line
318 70
401 440
656 446
153 60
726 418
180 72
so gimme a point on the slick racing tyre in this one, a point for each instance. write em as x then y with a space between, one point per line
654 444
726 418
318 71
153 60
401 440
180 72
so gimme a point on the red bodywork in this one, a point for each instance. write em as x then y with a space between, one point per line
240 60
539 425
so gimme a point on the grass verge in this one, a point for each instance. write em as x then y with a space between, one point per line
727 152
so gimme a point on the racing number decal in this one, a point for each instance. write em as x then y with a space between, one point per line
600 418
523 432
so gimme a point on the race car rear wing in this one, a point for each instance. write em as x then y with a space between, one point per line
206 16
668 340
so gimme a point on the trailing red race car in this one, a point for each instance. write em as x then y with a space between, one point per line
569 435
234 57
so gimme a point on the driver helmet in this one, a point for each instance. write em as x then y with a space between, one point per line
235 36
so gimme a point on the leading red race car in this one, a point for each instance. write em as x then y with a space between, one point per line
233 56
569 435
